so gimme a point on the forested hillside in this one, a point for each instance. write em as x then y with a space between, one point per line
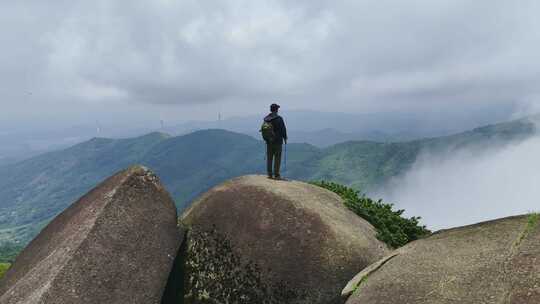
35 190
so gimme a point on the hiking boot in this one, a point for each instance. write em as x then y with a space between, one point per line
278 177
270 176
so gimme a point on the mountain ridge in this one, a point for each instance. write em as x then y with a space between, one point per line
34 190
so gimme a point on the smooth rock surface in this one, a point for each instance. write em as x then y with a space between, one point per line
284 241
492 262
114 245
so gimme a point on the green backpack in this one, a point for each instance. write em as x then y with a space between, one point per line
267 131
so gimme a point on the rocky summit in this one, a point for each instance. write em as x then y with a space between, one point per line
114 245
491 262
258 240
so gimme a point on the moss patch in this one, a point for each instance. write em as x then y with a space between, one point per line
215 274
3 268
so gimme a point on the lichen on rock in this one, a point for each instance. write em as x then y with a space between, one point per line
215 274
256 240
490 262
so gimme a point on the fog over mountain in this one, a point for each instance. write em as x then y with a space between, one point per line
470 185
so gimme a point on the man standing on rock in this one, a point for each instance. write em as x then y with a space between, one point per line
274 134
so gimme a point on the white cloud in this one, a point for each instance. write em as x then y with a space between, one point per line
350 56
471 185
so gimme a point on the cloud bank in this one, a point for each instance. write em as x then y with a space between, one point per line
471 185
72 57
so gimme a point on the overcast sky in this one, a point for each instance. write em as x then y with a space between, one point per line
77 61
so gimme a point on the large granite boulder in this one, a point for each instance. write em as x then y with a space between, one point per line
257 240
491 262
115 245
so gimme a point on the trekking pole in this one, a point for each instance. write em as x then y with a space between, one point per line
285 164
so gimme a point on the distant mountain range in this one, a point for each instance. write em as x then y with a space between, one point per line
321 129
33 191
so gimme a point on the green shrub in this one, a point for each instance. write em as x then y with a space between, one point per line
3 268
392 228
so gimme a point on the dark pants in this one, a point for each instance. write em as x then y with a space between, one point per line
273 154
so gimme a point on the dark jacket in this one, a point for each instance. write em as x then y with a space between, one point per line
279 127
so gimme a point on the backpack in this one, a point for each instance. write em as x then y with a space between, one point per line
267 131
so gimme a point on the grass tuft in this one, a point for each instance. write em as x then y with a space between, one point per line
3 268
532 221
